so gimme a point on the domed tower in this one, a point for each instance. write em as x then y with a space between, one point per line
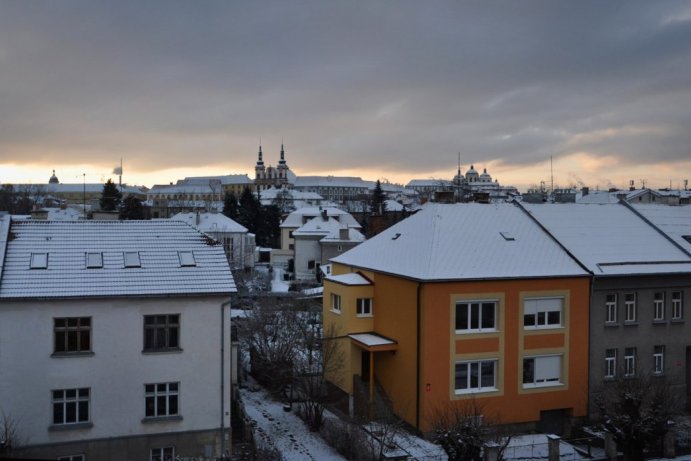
471 175
485 177
259 169
53 179
282 167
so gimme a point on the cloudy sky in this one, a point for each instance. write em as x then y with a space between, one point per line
379 89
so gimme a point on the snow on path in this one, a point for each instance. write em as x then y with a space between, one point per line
284 430
278 285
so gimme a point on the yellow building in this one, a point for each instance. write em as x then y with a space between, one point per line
458 303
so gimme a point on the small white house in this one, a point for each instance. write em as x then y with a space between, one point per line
114 339
238 243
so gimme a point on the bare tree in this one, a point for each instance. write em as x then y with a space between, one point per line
637 412
10 434
462 429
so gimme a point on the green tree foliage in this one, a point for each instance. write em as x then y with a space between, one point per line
378 201
110 197
230 206
131 208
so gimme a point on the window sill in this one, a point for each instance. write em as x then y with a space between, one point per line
631 323
72 354
677 321
161 419
475 332
609 379
360 316
475 391
660 322
611 325
335 311
172 350
69 427
542 385
543 327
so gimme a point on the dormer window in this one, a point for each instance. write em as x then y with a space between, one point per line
186 258
39 260
94 260
132 259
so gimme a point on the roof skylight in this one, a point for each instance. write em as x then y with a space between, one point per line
39 260
94 260
187 258
132 259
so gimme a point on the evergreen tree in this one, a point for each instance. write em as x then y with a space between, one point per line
131 208
110 197
249 211
378 201
230 206
270 230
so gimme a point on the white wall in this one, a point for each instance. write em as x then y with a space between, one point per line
306 249
117 371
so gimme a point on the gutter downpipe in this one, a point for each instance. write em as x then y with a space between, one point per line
223 324
417 364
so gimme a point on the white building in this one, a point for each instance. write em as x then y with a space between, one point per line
238 243
110 340
337 189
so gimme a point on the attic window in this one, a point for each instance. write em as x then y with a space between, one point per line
94 260
39 260
132 259
507 236
186 258
395 237
687 238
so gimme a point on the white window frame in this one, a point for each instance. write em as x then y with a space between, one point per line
82 397
658 360
538 311
475 368
677 305
474 316
545 369
154 392
335 303
611 308
162 454
629 362
610 363
363 307
187 258
659 305
94 260
630 308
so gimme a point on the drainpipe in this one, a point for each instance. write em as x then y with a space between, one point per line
417 360
223 409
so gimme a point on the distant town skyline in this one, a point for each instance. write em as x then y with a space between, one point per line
378 90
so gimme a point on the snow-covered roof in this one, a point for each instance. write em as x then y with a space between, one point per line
351 279
68 214
464 241
193 188
393 205
334 236
210 222
371 339
428 183
297 218
329 230
5 220
330 181
610 239
171 259
271 193
675 221
225 180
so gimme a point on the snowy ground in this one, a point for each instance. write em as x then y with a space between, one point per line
284 430
278 285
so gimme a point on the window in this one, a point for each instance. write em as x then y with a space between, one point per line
310 264
163 454
611 308
186 258
610 363
542 312
161 332
630 362
161 400
132 259
72 334
659 360
476 376
364 306
630 307
476 316
335 303
72 458
39 261
677 305
542 371
659 306
71 406
94 260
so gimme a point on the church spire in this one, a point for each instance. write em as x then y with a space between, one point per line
282 161
260 161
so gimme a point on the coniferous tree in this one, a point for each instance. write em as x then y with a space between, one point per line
110 197
378 202
131 208
270 226
230 206
248 213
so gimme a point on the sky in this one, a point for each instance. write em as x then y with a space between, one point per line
391 90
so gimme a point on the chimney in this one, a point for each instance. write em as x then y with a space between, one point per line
585 191
325 215
197 219
343 233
